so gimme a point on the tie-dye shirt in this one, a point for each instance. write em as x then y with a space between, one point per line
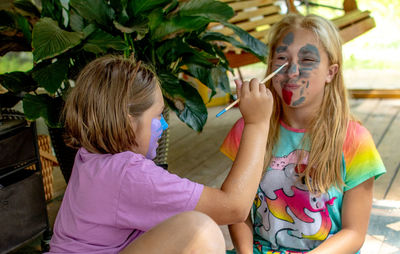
286 216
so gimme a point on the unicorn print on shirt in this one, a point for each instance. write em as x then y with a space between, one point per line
286 212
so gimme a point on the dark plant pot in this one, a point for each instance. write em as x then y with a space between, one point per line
65 154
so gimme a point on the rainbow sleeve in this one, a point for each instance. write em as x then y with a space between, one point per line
361 156
231 143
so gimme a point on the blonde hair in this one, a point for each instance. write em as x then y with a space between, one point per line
107 91
328 128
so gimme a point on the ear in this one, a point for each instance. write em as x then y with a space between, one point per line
332 70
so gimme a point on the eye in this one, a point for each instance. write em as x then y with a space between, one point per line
283 58
308 60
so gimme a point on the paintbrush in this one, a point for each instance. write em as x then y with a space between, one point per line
262 82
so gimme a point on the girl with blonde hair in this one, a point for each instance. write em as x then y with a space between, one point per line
316 192
117 200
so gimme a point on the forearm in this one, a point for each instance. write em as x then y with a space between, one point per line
242 236
243 179
343 242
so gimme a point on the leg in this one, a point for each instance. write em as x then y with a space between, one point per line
188 232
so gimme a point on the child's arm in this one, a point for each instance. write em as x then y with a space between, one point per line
357 203
242 236
231 204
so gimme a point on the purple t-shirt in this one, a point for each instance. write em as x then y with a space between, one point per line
112 199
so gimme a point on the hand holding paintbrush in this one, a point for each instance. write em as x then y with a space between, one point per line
262 82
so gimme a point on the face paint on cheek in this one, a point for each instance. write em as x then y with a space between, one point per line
299 101
157 128
287 96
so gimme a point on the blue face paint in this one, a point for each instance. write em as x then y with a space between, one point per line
292 69
157 128
288 39
281 49
309 59
299 101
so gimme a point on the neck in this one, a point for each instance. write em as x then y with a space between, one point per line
298 118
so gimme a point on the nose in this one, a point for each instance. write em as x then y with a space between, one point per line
293 70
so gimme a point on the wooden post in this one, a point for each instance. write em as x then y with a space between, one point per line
349 5
291 7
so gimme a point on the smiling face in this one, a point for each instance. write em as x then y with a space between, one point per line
301 83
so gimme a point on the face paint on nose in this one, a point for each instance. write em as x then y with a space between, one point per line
157 128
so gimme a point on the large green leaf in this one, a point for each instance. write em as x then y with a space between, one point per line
76 21
156 17
51 76
185 101
43 105
213 50
204 75
220 78
252 45
94 10
138 25
100 42
27 6
53 9
211 9
24 26
49 40
169 28
171 50
136 7
18 81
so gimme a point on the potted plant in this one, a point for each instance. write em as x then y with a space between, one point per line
169 35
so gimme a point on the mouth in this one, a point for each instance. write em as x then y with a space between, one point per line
290 86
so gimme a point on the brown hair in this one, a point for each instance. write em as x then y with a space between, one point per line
97 109
328 128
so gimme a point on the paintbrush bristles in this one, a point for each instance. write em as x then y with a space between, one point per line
273 73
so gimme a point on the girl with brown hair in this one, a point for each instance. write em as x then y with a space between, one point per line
316 192
117 199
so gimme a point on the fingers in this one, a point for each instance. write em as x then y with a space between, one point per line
238 87
252 86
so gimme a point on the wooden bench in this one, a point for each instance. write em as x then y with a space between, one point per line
254 16
352 24
257 16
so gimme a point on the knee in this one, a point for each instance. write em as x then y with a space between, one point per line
205 231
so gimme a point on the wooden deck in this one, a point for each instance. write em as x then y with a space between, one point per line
197 157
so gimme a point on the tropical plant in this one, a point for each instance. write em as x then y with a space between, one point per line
169 35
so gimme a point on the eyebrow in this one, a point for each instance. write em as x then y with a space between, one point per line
281 49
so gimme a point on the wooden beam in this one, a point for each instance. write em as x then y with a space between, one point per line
291 7
375 93
242 59
356 29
